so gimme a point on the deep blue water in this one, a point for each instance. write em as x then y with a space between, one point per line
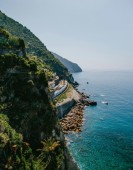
106 140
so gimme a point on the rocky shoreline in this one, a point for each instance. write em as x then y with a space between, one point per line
73 121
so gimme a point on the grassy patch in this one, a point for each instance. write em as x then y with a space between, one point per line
64 95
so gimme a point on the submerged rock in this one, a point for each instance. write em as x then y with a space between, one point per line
88 102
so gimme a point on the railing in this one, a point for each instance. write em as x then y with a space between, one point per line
58 92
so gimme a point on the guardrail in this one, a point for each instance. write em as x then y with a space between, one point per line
58 92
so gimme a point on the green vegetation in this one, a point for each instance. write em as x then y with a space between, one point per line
34 46
15 154
27 116
51 149
9 43
7 40
64 95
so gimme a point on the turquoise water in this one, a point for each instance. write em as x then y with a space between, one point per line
106 140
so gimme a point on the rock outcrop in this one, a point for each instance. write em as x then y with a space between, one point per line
73 120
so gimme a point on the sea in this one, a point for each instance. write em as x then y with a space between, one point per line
106 140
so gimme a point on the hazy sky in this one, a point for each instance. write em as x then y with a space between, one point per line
96 34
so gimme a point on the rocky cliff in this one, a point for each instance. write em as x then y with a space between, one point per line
30 135
72 67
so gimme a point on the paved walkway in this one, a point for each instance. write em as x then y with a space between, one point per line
73 94
61 88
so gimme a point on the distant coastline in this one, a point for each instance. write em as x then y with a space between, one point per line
72 67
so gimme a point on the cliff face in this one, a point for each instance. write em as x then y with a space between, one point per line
30 135
72 67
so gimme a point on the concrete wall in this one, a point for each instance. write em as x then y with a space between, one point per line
58 92
65 108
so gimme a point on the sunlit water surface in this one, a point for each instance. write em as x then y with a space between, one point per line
106 140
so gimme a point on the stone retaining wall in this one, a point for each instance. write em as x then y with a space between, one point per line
65 108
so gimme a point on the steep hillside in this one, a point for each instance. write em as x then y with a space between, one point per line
33 45
72 67
30 135
15 154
